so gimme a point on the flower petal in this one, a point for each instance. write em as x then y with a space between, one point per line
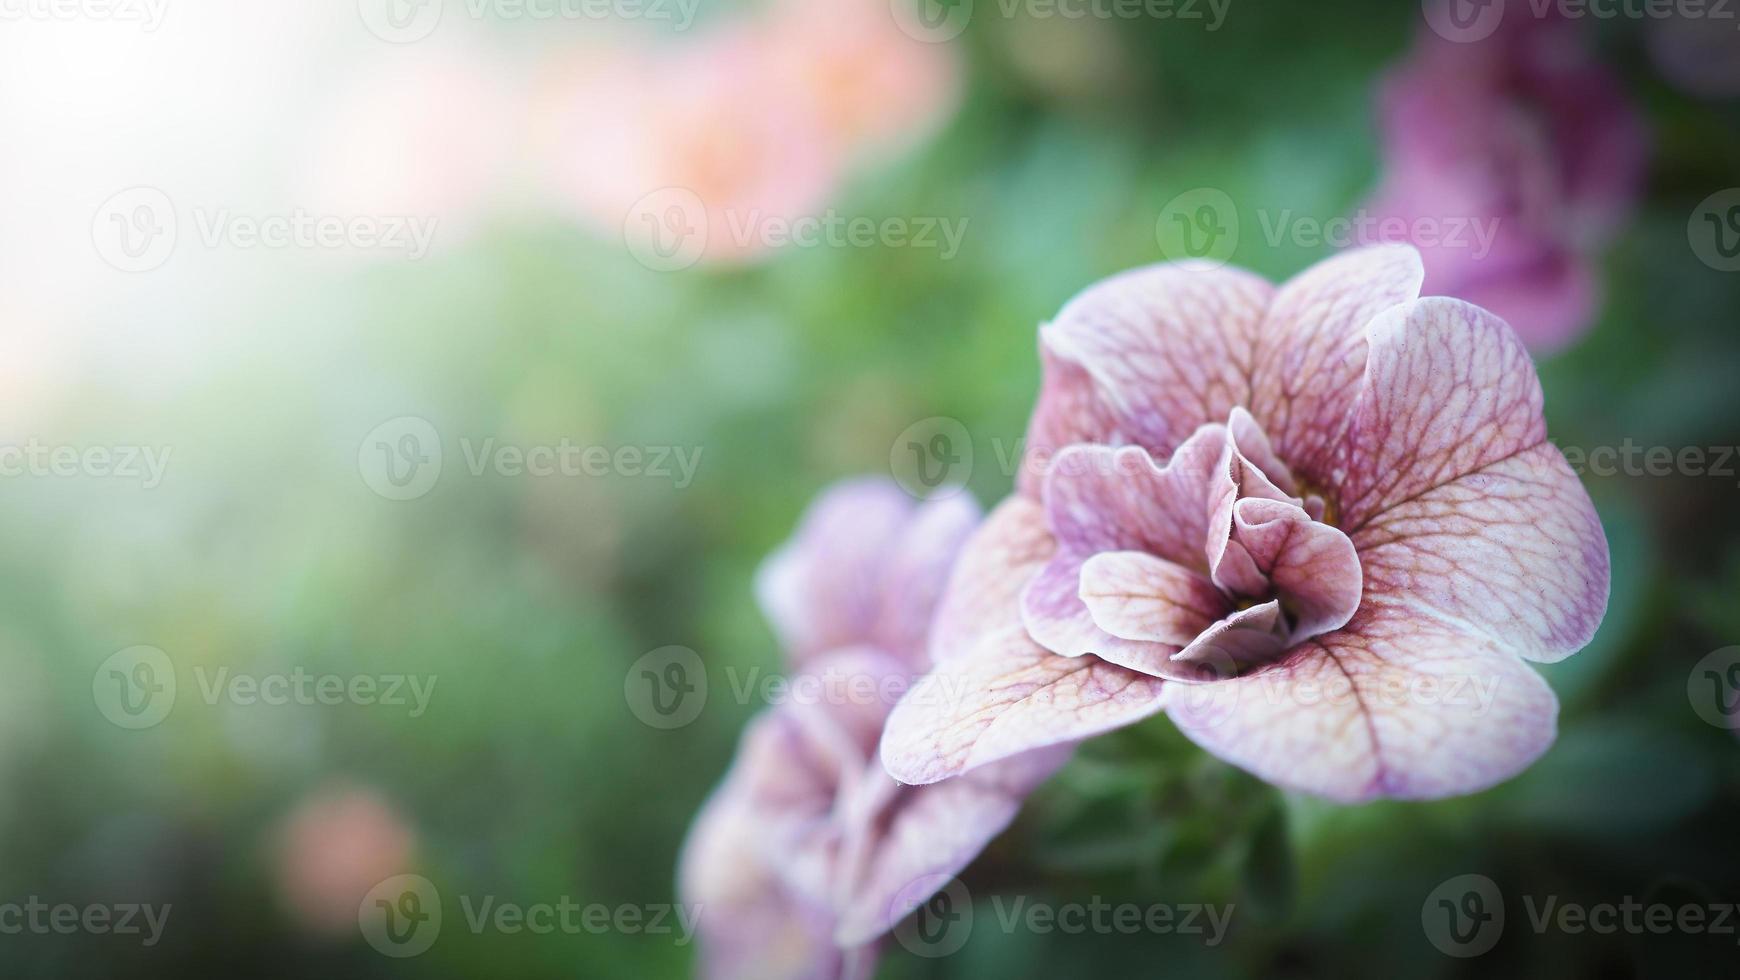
1449 389
916 570
1514 550
1166 349
1137 596
1396 704
1313 349
1057 617
1009 696
819 590
930 833
1102 499
983 595
1311 566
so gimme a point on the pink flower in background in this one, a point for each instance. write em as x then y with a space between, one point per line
714 143
1520 135
874 89
808 852
1320 525
338 843
703 127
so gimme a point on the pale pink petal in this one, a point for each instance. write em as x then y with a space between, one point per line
1514 550
752 926
1102 499
1069 411
1055 615
1396 705
1311 566
1244 640
915 573
1167 349
820 590
1137 596
930 833
1449 389
1313 349
984 592
1007 697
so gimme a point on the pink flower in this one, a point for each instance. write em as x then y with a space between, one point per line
1320 525
809 852
699 136
339 842
875 89
1510 161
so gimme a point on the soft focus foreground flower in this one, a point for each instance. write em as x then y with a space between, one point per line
808 852
1510 161
339 842
1320 525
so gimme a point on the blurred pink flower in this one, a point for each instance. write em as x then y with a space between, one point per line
338 843
428 135
691 136
1523 133
808 852
1320 525
746 127
874 89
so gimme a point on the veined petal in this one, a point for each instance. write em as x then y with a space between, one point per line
1056 617
1449 389
983 595
1166 348
1396 704
1514 550
1098 498
1311 566
1313 346
1009 696
1137 596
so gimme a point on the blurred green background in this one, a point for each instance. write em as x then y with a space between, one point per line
529 777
